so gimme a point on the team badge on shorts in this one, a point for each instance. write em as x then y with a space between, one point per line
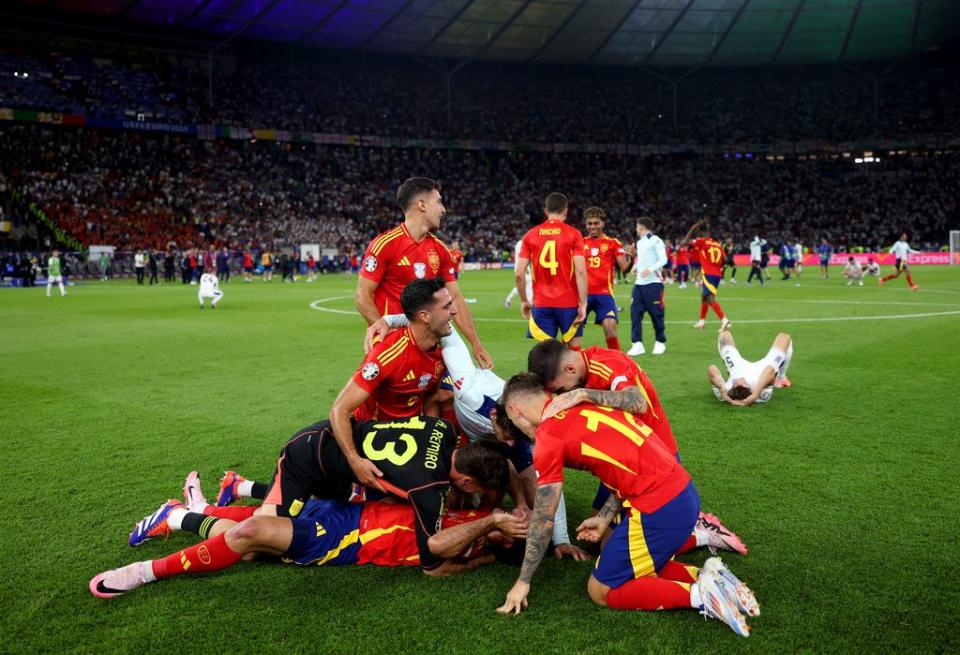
420 269
370 371
370 264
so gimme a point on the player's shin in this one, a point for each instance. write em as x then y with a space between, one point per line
211 555
650 593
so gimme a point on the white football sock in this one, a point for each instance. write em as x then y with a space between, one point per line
245 488
175 517
695 601
147 571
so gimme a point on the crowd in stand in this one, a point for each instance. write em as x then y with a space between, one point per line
412 102
136 191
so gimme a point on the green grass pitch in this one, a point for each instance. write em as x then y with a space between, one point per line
843 486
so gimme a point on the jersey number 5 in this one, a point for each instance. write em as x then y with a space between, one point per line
548 257
388 451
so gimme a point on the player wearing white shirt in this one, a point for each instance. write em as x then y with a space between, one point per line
853 272
750 382
756 257
799 258
529 277
476 392
902 251
872 268
647 297
209 288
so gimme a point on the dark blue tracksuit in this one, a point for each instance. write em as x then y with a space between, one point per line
647 298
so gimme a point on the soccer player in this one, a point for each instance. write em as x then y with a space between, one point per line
729 261
247 265
456 257
400 373
902 250
825 251
209 288
311 267
266 261
853 272
647 297
750 382
410 252
788 263
872 268
529 280
54 274
798 258
654 495
756 260
554 251
602 255
710 253
327 532
681 264
610 378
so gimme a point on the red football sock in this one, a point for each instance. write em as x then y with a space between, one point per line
909 279
234 513
649 593
716 309
887 277
210 555
703 310
613 343
679 572
689 544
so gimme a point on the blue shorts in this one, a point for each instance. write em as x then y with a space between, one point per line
554 322
824 262
710 285
319 533
694 266
901 265
643 543
603 307
446 383
683 268
268 268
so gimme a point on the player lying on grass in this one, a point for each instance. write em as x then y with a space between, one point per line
476 392
418 457
655 497
750 382
326 532
613 379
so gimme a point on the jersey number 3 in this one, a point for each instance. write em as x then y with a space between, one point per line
388 451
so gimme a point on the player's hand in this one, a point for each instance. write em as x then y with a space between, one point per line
367 473
516 599
483 357
525 308
575 553
522 512
512 526
630 249
375 333
591 529
561 402
581 313
644 273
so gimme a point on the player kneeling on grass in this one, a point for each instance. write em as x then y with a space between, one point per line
209 288
655 496
326 532
853 272
750 382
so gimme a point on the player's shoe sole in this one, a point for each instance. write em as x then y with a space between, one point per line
228 488
718 601
154 525
720 537
737 591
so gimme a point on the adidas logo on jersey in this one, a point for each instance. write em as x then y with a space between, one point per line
403 262
409 376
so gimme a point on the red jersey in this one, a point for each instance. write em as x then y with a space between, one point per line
615 446
456 256
398 376
682 256
311 262
247 260
387 536
615 370
393 259
711 255
601 256
550 248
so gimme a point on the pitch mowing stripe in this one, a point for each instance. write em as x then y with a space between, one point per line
317 305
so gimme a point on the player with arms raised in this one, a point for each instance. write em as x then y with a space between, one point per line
711 260
602 253
410 252
555 252
654 495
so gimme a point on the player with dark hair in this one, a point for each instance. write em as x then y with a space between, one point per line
654 495
902 251
410 252
647 295
327 532
612 379
729 261
750 382
602 255
711 260
554 251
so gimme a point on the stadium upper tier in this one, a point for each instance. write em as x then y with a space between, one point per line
412 102
678 33
135 190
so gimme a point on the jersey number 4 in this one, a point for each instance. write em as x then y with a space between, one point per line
548 257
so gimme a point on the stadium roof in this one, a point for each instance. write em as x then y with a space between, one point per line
669 33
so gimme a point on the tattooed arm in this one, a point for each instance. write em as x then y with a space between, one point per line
629 399
538 540
592 529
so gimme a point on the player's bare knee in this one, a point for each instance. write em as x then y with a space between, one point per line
597 591
248 532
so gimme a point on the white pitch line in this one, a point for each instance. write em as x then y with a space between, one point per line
317 305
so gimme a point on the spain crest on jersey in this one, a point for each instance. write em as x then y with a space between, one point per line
433 257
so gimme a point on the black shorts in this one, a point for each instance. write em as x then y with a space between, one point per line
299 474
